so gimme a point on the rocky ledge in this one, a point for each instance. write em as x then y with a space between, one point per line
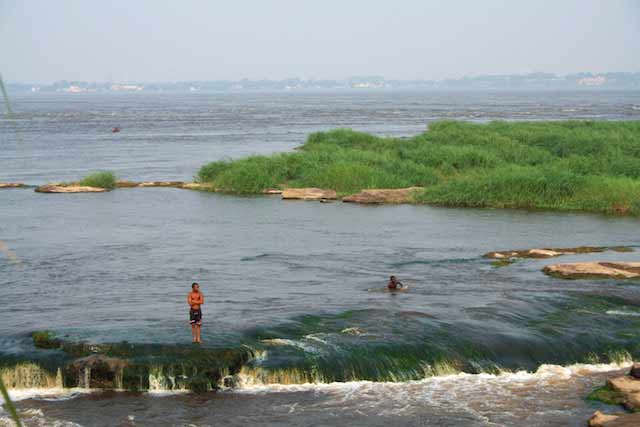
130 184
624 390
553 252
377 196
594 270
12 185
61 188
308 194
132 367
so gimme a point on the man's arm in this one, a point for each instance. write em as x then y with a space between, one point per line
201 299
189 300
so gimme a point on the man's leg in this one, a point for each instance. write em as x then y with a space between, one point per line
194 333
198 327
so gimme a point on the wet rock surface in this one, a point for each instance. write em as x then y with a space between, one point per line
12 185
139 367
308 194
379 196
553 252
594 270
59 188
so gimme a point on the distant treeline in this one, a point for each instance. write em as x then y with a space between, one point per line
613 80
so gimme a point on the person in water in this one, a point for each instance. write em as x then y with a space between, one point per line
195 299
394 284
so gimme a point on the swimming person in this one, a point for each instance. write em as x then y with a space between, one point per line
195 299
394 283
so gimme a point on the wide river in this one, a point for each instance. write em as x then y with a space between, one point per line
301 283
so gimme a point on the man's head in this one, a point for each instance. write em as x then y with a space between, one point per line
392 278
195 286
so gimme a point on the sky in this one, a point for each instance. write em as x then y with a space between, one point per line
155 40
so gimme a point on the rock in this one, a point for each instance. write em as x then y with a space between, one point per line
97 371
626 420
554 252
376 196
197 186
161 184
598 419
272 191
624 384
586 270
632 401
544 253
58 188
12 185
308 194
126 184
635 370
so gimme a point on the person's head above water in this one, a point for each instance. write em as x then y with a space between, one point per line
392 278
195 286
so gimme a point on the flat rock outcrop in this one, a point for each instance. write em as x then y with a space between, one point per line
12 185
161 184
308 194
553 252
197 186
598 419
377 196
133 184
58 188
594 270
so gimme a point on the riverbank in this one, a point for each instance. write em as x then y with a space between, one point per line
568 165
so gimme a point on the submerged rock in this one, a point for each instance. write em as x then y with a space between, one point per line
595 270
377 196
60 188
12 185
553 252
598 419
308 194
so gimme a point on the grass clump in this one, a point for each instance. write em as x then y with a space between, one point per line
102 179
568 165
45 339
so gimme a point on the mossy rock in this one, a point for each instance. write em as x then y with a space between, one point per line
45 340
607 395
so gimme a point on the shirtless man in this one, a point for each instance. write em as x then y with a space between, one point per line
394 284
195 299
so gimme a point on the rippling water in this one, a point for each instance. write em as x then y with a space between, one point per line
299 282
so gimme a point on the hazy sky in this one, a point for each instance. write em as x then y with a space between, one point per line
152 40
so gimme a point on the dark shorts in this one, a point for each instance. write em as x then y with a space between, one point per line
195 317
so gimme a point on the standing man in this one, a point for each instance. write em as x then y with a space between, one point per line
195 299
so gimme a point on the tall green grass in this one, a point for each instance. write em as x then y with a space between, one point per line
102 179
568 165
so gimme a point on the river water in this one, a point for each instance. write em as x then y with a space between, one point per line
299 283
